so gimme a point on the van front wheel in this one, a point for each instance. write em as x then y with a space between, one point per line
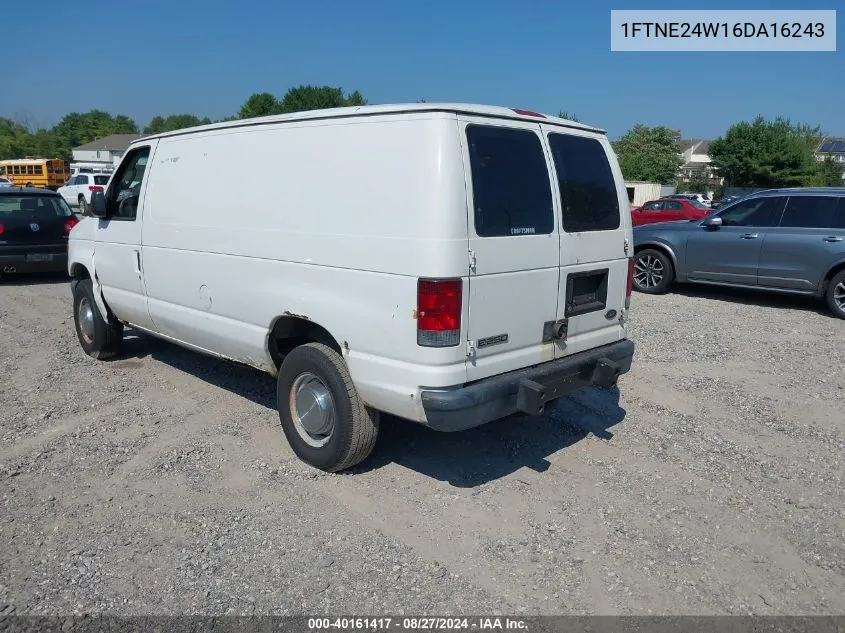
98 337
325 421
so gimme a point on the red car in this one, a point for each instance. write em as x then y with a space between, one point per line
667 210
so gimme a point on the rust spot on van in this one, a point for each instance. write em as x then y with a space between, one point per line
414 313
298 316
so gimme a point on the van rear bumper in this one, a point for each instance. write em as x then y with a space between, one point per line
525 390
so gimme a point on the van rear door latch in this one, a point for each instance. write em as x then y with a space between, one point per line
555 330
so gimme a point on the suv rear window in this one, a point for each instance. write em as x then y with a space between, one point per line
811 212
587 189
511 191
101 180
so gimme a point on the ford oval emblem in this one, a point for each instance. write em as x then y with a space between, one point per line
610 314
34 226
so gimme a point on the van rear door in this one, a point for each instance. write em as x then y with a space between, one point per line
514 245
595 228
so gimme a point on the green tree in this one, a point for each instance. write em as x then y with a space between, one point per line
765 153
14 139
355 99
259 104
77 129
172 122
697 183
318 98
829 173
565 114
649 153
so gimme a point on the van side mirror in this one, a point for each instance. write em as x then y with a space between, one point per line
98 204
712 222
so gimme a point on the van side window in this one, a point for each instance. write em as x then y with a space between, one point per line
810 212
511 191
587 188
124 193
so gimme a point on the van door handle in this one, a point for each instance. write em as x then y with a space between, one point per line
749 236
832 238
138 262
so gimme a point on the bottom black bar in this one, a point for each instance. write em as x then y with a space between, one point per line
550 624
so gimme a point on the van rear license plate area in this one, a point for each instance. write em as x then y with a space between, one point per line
586 292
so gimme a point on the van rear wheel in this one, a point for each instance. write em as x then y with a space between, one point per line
98 337
324 420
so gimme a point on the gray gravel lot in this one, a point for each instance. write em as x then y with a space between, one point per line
711 482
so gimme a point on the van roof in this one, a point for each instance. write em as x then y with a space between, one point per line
371 110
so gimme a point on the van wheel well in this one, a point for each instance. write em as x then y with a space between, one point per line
78 271
289 332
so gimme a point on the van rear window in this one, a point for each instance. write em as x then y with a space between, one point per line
510 182
587 189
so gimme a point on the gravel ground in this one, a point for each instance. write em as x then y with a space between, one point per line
710 482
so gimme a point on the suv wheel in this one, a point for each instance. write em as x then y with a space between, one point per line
653 272
83 206
836 294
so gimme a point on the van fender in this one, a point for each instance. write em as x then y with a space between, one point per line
98 290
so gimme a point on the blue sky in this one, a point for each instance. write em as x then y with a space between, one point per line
158 57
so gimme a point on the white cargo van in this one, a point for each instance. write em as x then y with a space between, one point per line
448 264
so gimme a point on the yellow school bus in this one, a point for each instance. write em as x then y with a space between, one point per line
44 173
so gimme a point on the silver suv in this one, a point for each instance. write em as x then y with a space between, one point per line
782 240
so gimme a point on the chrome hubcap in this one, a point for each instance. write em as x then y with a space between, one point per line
648 272
839 295
312 409
85 317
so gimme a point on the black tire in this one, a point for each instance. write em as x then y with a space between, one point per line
653 271
83 206
835 294
105 339
355 426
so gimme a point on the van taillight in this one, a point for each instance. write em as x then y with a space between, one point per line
630 287
439 312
